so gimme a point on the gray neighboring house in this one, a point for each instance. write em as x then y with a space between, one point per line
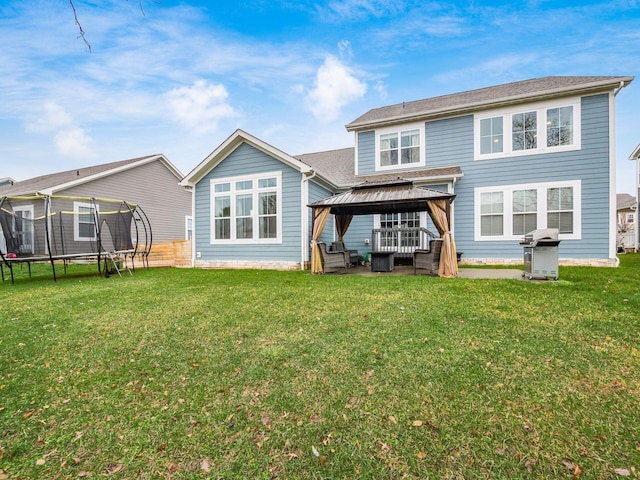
626 208
151 182
635 157
521 156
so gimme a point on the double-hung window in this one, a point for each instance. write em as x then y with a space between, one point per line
247 209
84 225
23 226
543 128
400 148
509 212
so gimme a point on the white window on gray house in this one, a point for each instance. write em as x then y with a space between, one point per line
84 227
509 212
492 214
525 211
400 148
631 218
188 227
491 135
23 226
560 209
222 211
524 130
247 209
541 128
559 126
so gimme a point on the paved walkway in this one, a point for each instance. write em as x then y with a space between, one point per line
497 273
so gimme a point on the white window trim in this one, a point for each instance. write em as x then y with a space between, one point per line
542 209
188 219
423 220
398 129
254 215
541 109
76 222
31 210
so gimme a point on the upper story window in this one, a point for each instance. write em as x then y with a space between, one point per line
400 147
542 128
509 212
247 209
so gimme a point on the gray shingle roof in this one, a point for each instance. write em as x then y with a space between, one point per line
338 166
625 201
37 184
464 102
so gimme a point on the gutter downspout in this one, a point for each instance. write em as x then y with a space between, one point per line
304 220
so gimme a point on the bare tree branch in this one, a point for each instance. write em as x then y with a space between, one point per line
82 34
75 16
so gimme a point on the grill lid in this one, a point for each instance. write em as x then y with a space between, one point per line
542 236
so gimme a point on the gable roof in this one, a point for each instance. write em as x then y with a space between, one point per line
483 98
236 139
625 201
51 183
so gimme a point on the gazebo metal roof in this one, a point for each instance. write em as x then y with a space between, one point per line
399 196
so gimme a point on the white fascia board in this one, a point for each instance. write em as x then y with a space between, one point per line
636 154
229 145
63 186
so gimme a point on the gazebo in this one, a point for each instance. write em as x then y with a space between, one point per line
400 196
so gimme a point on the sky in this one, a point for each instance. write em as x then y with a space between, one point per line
179 77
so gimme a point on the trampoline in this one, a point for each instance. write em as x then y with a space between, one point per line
62 229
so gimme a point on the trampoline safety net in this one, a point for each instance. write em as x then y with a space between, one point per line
61 229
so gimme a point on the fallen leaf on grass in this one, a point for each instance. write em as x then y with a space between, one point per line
623 472
27 414
417 423
392 419
85 474
113 468
205 466
41 461
421 455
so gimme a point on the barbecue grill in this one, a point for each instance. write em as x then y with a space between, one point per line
541 254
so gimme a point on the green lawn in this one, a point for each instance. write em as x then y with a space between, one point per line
179 373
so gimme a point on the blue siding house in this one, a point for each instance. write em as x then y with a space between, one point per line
521 156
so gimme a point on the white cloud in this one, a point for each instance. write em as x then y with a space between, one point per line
73 142
361 9
50 119
335 87
69 139
201 106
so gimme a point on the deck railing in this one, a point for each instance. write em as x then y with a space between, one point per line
403 241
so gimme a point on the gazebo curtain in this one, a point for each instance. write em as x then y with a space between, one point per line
320 217
342 225
448 256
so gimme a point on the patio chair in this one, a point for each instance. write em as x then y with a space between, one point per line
354 258
333 261
428 259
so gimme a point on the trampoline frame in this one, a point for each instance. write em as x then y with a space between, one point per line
135 240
